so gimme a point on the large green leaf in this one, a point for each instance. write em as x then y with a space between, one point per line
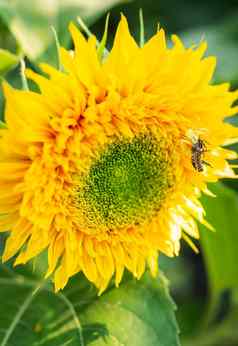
220 248
136 314
30 21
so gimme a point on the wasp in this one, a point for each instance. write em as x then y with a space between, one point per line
198 150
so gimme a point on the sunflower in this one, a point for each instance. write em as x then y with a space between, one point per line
100 166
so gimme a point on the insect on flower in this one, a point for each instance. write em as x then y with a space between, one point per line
198 150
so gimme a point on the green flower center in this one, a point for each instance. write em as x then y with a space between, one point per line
126 184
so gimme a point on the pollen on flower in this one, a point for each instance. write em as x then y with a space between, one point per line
126 183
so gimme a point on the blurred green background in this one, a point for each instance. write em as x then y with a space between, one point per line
204 286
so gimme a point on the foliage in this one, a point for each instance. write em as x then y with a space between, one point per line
30 22
219 248
130 315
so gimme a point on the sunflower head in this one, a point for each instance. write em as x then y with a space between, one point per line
102 167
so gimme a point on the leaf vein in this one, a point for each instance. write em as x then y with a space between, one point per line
19 314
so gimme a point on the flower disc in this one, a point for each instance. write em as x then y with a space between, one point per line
127 183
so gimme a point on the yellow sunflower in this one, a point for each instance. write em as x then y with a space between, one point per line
103 167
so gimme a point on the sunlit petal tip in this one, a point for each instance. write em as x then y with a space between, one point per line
123 21
123 31
190 243
208 225
209 193
161 33
177 42
160 36
78 38
73 29
202 48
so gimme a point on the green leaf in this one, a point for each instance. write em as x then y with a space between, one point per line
2 125
30 22
135 314
7 61
7 40
220 248
219 251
